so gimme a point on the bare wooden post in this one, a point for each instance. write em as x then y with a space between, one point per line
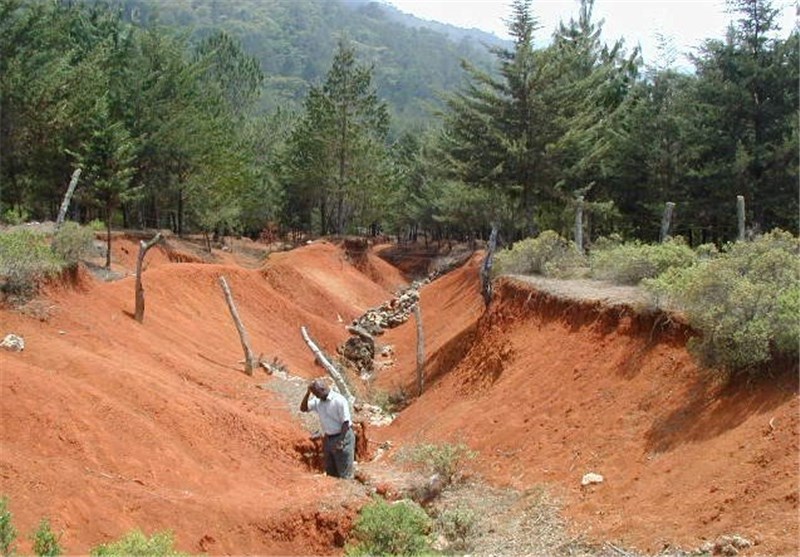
329 367
579 224
740 217
666 221
420 350
486 269
62 212
143 248
249 358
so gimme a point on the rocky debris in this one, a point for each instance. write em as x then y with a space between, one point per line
361 352
14 343
726 545
373 415
390 314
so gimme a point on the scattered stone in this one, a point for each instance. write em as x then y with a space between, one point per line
730 545
13 342
591 478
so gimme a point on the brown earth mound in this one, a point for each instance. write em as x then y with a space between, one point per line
107 425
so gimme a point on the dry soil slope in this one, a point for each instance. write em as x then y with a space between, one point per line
107 425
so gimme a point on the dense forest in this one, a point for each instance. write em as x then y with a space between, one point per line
338 117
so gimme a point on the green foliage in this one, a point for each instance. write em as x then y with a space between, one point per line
629 263
547 254
338 161
744 302
7 531
45 541
96 225
446 460
382 528
25 260
458 526
15 215
72 243
137 544
390 402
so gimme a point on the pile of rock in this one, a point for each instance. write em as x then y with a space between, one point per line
390 314
360 348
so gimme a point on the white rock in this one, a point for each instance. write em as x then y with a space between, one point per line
13 342
591 478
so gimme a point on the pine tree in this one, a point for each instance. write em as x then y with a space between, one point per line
338 155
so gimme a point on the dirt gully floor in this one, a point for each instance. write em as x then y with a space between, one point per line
107 425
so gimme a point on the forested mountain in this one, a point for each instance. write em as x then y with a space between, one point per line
294 41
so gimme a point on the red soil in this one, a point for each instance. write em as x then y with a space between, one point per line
107 425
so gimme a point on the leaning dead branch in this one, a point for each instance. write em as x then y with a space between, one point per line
143 249
329 367
62 212
249 359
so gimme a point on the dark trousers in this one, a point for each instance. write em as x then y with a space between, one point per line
339 462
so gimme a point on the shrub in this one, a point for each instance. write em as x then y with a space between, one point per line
458 526
399 528
72 243
631 262
15 215
45 541
547 254
96 225
25 259
390 402
445 460
745 302
137 544
7 531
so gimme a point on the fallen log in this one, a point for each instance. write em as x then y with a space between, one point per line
329 367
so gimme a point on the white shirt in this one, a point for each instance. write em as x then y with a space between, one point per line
333 412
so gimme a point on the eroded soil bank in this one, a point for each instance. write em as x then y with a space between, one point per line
107 425
553 388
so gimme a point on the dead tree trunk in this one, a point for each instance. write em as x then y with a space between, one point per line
579 224
486 269
420 350
249 358
666 221
740 217
329 367
62 212
143 248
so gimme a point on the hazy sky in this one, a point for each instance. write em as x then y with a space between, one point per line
687 22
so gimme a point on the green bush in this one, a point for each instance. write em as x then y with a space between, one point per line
7 531
445 460
72 243
96 225
390 402
15 215
458 526
745 302
45 541
399 528
25 259
547 254
137 544
629 263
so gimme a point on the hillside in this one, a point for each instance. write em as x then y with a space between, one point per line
107 425
414 60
